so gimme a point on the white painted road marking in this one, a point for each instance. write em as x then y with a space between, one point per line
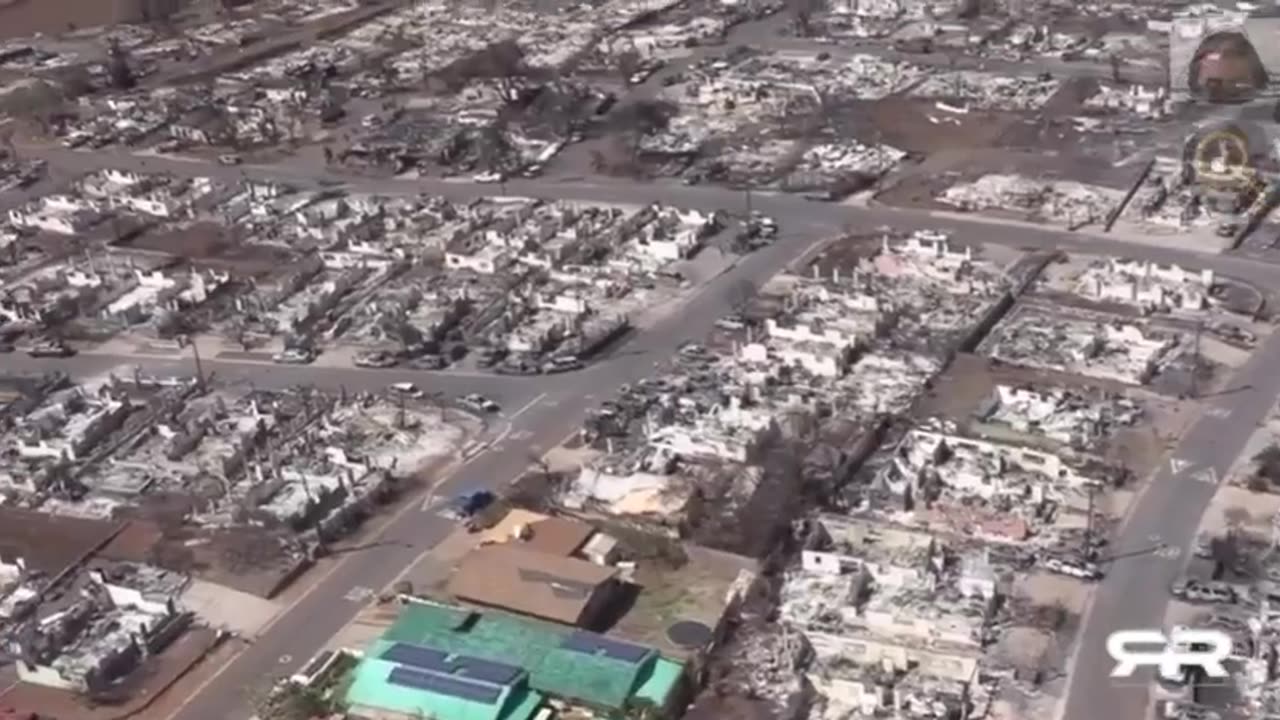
438 507
473 449
1207 475
358 594
1177 465
1220 413
1169 552
526 407
286 659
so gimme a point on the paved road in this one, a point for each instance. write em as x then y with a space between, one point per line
1170 507
1127 598
561 404
1135 592
796 214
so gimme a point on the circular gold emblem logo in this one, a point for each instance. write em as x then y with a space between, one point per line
1221 159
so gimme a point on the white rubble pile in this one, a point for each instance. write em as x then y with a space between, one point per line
852 26
758 158
878 18
1150 103
769 665
873 78
782 77
1164 202
989 91
850 157
1126 44
685 133
1058 200
1026 39
671 39
878 9
1209 10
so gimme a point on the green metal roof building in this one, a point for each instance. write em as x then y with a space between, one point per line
378 689
452 663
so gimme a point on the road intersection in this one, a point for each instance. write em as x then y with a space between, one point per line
549 408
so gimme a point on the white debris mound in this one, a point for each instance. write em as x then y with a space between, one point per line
851 157
1059 200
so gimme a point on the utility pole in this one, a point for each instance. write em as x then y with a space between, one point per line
400 414
748 194
1087 552
186 341
1195 361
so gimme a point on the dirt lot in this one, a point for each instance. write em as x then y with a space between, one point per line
19 18
248 559
918 126
51 543
694 592
208 246
919 185
1239 509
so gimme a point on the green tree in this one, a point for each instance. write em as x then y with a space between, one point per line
1268 461
637 708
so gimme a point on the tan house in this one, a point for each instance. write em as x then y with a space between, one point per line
547 585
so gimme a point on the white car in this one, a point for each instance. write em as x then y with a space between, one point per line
294 357
479 403
731 322
1084 571
489 177
1194 591
407 389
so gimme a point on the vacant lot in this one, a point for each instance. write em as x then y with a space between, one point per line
51 543
19 18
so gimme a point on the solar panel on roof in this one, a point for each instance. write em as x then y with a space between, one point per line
416 655
592 644
485 670
465 667
444 685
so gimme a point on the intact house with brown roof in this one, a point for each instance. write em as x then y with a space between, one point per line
561 536
554 535
540 584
